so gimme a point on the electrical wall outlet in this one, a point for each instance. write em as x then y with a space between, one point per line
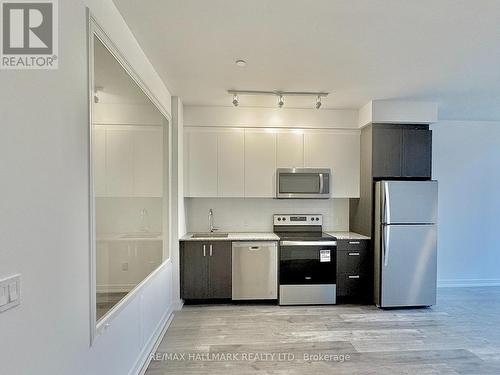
10 292
125 266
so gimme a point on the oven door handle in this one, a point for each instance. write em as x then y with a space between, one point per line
308 243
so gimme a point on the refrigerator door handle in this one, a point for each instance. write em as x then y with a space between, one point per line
386 244
387 204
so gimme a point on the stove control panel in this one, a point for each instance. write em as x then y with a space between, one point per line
289 220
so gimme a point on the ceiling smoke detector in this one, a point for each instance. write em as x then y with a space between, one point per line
240 63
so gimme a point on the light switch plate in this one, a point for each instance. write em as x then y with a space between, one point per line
10 290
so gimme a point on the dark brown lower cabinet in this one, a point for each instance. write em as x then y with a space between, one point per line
205 270
354 271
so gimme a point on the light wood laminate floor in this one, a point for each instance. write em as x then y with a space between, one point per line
460 335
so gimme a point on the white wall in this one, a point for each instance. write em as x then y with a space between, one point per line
178 208
44 215
126 114
270 117
466 162
256 214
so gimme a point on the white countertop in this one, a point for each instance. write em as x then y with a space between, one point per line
129 237
348 236
235 236
267 236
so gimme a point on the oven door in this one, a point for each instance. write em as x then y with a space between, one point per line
302 183
307 263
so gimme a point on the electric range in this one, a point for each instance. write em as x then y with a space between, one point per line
307 260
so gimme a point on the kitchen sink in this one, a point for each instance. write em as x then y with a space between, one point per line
209 235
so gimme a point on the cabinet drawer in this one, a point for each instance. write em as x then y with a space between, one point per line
353 285
355 261
352 245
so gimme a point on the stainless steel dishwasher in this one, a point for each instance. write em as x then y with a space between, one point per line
255 270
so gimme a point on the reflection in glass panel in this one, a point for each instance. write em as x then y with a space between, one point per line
128 159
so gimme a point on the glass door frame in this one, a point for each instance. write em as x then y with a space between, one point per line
96 31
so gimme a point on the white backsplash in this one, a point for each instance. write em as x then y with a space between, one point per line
256 214
123 215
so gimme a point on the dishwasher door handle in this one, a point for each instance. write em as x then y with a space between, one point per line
254 248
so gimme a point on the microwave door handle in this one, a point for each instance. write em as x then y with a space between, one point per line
321 183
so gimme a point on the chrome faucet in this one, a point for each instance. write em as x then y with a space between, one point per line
211 226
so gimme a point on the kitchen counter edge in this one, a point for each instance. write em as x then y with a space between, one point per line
348 235
235 236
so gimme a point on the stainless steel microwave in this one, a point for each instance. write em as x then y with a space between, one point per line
299 183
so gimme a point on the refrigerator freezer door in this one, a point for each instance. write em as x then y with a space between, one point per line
409 202
408 265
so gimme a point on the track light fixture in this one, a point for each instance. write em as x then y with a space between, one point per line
318 102
280 94
281 101
236 101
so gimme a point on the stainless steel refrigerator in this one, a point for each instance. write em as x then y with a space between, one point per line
405 243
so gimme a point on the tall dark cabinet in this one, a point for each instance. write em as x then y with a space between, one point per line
388 151
401 151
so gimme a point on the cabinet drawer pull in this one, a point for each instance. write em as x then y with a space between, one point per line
354 242
211 249
354 276
204 250
354 254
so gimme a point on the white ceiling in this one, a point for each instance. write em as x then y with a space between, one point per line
113 82
441 50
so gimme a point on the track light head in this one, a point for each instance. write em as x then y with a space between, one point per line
281 101
318 102
236 101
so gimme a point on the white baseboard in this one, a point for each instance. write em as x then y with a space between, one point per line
142 363
178 305
461 283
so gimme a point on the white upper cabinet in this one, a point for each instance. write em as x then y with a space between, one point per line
242 163
339 151
147 162
231 163
119 178
290 149
260 163
128 161
201 168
